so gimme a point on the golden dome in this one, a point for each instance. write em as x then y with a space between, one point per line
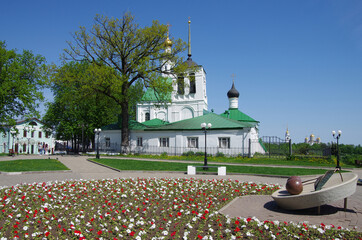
168 42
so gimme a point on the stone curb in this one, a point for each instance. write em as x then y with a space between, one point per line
35 172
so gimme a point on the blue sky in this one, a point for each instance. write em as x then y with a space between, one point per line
296 63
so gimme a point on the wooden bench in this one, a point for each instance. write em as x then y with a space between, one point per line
221 170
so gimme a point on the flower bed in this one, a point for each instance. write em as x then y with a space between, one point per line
141 209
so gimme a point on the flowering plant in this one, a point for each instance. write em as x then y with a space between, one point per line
137 208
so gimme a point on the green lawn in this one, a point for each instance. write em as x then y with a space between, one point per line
125 164
306 161
31 165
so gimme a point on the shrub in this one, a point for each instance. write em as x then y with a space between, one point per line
199 153
188 154
164 154
220 154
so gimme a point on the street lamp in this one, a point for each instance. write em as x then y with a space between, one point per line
204 127
97 132
337 137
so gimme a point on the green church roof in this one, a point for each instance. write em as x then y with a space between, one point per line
237 115
217 121
133 125
155 123
152 96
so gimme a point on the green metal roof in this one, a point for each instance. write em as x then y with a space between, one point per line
152 96
155 123
133 125
217 121
237 115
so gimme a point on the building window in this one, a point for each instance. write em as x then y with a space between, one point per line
193 142
147 117
181 85
39 134
25 133
164 142
192 83
24 148
108 142
32 134
139 142
224 142
47 134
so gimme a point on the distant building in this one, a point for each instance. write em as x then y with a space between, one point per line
312 140
27 136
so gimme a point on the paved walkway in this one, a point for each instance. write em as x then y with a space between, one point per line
262 207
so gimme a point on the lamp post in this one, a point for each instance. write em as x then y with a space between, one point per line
204 127
337 137
97 132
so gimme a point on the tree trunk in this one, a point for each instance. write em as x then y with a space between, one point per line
124 128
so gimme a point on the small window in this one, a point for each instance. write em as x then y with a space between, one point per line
192 83
40 133
47 134
224 142
25 133
139 142
193 142
164 142
108 142
24 148
147 117
32 134
181 85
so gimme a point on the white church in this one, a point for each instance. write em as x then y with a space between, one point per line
175 129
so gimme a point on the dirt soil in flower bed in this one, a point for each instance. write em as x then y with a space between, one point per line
141 209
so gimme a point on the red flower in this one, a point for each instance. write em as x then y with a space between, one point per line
237 222
199 236
173 234
249 219
47 234
179 214
99 232
237 229
132 233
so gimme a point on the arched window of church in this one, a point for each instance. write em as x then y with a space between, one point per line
181 85
192 83
147 116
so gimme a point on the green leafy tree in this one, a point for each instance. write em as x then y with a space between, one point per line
22 77
76 112
124 55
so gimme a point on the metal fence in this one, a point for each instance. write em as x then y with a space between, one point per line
178 151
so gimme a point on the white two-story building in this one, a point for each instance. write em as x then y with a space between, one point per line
27 137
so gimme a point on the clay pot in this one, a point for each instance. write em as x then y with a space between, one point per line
294 185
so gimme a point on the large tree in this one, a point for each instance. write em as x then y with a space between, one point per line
75 111
22 76
123 54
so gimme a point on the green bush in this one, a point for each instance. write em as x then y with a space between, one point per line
164 154
220 154
199 153
188 154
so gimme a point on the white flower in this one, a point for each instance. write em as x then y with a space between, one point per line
320 230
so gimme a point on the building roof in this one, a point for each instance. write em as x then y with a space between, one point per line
133 125
218 123
152 96
237 115
155 122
